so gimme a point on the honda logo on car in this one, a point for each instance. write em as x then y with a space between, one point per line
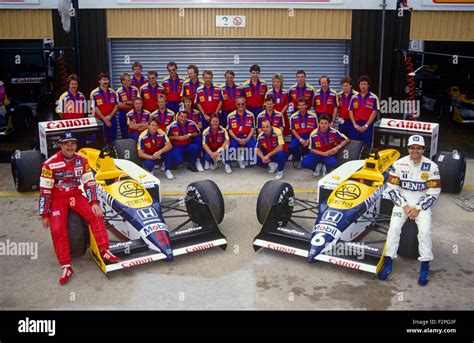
343 263
332 216
200 247
136 262
147 230
66 124
281 248
330 230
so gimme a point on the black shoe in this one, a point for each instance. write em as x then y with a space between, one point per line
192 167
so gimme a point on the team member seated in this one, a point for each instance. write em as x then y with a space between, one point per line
137 119
193 114
163 115
214 141
241 126
153 146
181 133
271 149
275 118
324 146
302 123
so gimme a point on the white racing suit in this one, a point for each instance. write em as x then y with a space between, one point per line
416 186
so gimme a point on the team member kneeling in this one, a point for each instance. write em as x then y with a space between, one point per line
214 141
137 119
182 133
153 146
271 149
323 146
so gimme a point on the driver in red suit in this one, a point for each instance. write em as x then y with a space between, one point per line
61 176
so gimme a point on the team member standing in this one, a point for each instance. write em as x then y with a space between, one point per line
173 86
181 134
163 115
137 119
324 144
208 98
105 107
281 99
60 181
153 147
126 93
344 100
363 112
229 92
271 149
302 124
72 103
275 118
241 126
413 185
138 80
254 91
215 141
191 84
150 91
301 89
325 100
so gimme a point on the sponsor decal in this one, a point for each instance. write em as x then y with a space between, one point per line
77 172
425 166
59 173
70 123
413 186
120 244
291 232
77 162
281 248
347 264
46 173
348 192
137 262
424 175
200 247
147 230
343 203
129 189
405 124
188 230
330 230
57 165
147 213
397 214
68 173
332 216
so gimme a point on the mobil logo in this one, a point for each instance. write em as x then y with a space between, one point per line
147 230
330 230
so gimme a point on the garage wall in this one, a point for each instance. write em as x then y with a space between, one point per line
25 24
200 23
442 26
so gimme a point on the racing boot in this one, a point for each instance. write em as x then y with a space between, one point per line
108 256
386 269
424 269
66 273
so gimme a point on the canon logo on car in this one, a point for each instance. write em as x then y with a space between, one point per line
136 262
66 124
281 249
200 247
412 125
346 264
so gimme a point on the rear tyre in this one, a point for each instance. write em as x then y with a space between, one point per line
26 169
452 170
78 231
351 151
126 149
278 193
205 191
408 246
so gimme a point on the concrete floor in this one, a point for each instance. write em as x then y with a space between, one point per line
237 278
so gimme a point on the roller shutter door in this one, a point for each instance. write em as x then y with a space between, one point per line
316 57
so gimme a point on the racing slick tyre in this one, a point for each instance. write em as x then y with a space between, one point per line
126 149
26 169
350 152
452 170
78 232
208 192
408 246
275 192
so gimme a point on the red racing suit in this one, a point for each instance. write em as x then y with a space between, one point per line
59 191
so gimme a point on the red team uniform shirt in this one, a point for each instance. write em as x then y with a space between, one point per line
228 96
280 98
306 92
272 141
176 129
105 101
255 94
304 125
137 118
325 141
189 89
241 124
72 106
138 83
214 138
209 98
344 102
164 118
172 89
362 107
325 102
276 119
149 95
149 143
